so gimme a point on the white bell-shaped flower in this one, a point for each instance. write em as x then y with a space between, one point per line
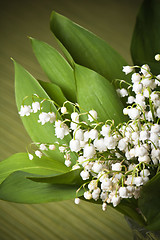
38 153
87 195
131 100
144 159
77 201
127 69
155 128
145 173
35 106
123 92
74 145
60 132
97 167
100 144
137 87
92 115
104 206
25 111
133 113
105 130
104 195
123 193
30 156
138 181
95 193
79 134
106 184
52 117
68 163
84 175
43 147
144 135
116 166
44 118
140 151
52 147
145 69
75 117
89 151
122 144
115 200
136 77
63 110
110 142
93 134
92 185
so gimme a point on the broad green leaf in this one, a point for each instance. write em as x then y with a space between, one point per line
56 68
72 177
145 41
96 92
56 94
155 225
27 85
20 161
129 207
86 48
149 202
18 188
66 53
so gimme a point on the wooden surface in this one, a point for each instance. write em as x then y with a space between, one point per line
113 21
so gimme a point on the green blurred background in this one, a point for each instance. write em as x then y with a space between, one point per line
113 21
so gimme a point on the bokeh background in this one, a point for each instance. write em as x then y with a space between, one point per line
111 20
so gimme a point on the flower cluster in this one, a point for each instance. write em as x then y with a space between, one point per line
116 161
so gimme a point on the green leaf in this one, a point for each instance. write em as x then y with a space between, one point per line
18 188
56 68
20 161
155 225
27 85
129 207
149 202
95 92
56 94
72 177
86 48
66 53
145 41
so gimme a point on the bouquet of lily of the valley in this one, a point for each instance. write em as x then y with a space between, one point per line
95 127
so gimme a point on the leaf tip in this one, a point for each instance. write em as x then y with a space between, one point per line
54 17
53 13
30 38
12 59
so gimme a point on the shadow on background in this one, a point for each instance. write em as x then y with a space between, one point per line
113 21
